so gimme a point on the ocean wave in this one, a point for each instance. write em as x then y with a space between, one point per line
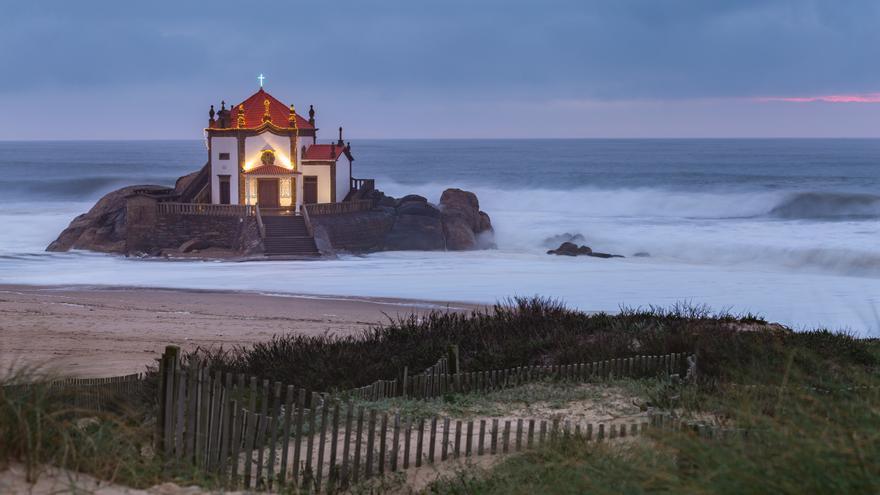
68 189
828 206
668 203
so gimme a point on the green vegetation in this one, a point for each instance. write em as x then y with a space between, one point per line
40 427
809 402
808 399
527 399
800 442
530 332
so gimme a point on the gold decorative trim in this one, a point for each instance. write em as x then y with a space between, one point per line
241 121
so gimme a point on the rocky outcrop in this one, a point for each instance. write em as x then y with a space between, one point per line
464 225
417 226
410 223
572 249
102 228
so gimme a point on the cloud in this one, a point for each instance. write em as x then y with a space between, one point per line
165 61
579 49
853 98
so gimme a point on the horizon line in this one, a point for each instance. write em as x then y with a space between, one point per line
608 138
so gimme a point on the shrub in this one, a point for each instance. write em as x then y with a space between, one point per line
536 331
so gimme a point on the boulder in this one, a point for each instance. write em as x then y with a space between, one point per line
103 227
417 226
566 249
464 205
411 198
463 221
184 181
485 223
572 249
415 233
423 209
193 245
459 235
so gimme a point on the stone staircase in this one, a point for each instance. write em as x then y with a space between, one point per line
287 235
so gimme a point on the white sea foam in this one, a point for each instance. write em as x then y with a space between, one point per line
725 250
730 229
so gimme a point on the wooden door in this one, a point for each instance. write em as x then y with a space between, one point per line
267 193
310 190
224 190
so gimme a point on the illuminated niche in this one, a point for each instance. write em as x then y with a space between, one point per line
285 192
252 191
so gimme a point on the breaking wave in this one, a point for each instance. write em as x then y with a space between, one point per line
828 206
669 203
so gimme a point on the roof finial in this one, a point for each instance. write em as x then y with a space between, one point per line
211 114
267 117
222 105
261 77
312 115
241 121
341 142
292 118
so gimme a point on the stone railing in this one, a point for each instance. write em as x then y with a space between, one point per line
363 184
207 209
307 220
337 208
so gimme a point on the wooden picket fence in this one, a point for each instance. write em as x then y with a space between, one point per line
430 383
93 394
443 377
260 435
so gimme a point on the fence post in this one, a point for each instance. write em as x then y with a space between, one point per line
168 367
405 382
454 366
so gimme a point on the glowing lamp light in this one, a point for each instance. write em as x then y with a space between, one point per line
285 161
280 159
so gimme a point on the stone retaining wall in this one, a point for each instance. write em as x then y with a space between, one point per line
363 231
149 231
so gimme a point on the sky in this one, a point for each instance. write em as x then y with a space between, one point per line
93 69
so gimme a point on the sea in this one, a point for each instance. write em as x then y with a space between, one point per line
784 228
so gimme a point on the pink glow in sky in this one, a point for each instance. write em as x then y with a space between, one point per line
854 98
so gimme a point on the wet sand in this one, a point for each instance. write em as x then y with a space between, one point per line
107 331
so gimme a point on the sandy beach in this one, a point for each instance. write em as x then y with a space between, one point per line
106 331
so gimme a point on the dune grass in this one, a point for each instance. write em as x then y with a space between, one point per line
813 428
40 427
814 443
812 396
534 332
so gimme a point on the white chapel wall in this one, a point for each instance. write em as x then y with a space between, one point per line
343 182
224 167
253 146
322 172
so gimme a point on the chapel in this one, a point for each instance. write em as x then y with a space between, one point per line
261 152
